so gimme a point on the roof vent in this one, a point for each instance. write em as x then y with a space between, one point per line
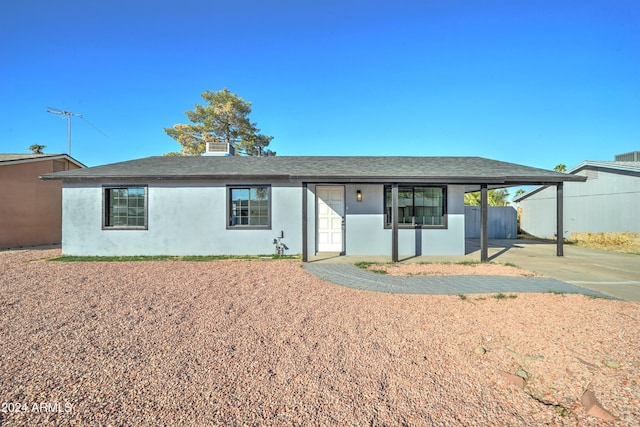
633 156
219 149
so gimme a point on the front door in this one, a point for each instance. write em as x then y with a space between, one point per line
330 211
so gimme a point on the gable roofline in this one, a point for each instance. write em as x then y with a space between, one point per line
13 159
613 166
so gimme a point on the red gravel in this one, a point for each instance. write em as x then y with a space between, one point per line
265 343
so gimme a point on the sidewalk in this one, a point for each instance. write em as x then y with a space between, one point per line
602 272
353 277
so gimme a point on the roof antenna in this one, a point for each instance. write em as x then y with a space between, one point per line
69 114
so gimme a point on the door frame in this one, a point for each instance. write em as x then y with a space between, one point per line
344 216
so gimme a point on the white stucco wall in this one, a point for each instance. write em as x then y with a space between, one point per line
365 221
189 218
366 234
183 219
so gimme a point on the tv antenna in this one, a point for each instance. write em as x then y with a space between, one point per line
69 114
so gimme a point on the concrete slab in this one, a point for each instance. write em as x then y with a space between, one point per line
611 273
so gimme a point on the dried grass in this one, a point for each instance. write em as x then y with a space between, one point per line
620 242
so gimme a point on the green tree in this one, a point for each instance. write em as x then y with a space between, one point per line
561 167
257 145
494 198
519 193
224 118
37 149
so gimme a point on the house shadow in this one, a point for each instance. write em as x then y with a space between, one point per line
498 247
32 248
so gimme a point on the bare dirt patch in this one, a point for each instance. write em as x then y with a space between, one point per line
442 269
266 343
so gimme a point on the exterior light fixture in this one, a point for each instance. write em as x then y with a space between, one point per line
359 195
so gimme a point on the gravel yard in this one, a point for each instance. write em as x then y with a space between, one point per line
266 343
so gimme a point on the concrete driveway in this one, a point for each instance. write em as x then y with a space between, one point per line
611 273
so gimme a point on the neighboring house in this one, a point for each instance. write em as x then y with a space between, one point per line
238 205
31 210
608 202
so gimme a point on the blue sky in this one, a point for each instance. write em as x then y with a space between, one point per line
531 82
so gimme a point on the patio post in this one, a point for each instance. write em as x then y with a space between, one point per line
484 211
559 220
394 222
305 251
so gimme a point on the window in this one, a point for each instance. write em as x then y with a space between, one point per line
417 206
249 207
125 207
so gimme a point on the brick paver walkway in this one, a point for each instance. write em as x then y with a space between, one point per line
357 278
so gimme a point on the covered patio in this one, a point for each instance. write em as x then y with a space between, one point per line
470 173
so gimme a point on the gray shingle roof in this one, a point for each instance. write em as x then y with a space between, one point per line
468 170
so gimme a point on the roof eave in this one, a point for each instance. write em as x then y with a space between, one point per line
462 180
41 158
546 180
602 165
125 177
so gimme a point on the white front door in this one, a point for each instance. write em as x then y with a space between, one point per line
330 216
